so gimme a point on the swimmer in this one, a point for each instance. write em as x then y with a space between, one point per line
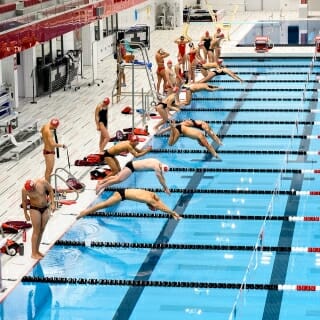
40 196
151 199
123 146
138 165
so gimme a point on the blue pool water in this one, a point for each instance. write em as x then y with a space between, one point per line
235 246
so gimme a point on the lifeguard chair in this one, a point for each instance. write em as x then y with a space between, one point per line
317 42
262 44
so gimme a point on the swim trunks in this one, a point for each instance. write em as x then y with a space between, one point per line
107 154
129 165
196 125
41 210
164 105
48 152
122 193
178 127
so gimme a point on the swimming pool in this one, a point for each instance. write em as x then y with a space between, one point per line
248 244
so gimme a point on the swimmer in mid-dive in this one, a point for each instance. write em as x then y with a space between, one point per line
123 146
150 198
210 70
195 87
178 128
170 103
138 165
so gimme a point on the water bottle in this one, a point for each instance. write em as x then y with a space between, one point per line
24 235
21 249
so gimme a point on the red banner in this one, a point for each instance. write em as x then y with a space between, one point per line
27 32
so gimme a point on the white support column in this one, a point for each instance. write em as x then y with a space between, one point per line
68 41
10 77
28 61
87 41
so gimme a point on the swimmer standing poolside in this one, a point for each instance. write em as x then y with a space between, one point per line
39 192
101 119
161 70
47 132
151 199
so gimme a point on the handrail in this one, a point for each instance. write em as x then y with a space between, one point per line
56 177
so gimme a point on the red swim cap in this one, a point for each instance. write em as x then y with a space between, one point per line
29 185
106 100
55 122
134 138
175 89
165 167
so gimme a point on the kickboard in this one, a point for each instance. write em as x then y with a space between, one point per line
90 160
99 174
67 202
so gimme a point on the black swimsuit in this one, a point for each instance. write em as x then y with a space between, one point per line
122 193
103 116
206 43
41 210
178 127
164 105
130 166
221 73
107 154
195 124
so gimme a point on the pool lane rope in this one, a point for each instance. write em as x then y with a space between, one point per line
182 246
255 152
291 192
252 170
259 136
200 216
172 284
264 122
287 110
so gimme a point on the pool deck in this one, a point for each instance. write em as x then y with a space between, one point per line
77 131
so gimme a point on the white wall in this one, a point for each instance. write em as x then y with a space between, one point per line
314 5
141 14
220 4
253 5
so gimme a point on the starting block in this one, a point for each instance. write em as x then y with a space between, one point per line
262 44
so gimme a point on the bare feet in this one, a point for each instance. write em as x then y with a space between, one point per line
37 256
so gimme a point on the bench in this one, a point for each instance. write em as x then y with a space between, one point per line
23 147
28 137
7 7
